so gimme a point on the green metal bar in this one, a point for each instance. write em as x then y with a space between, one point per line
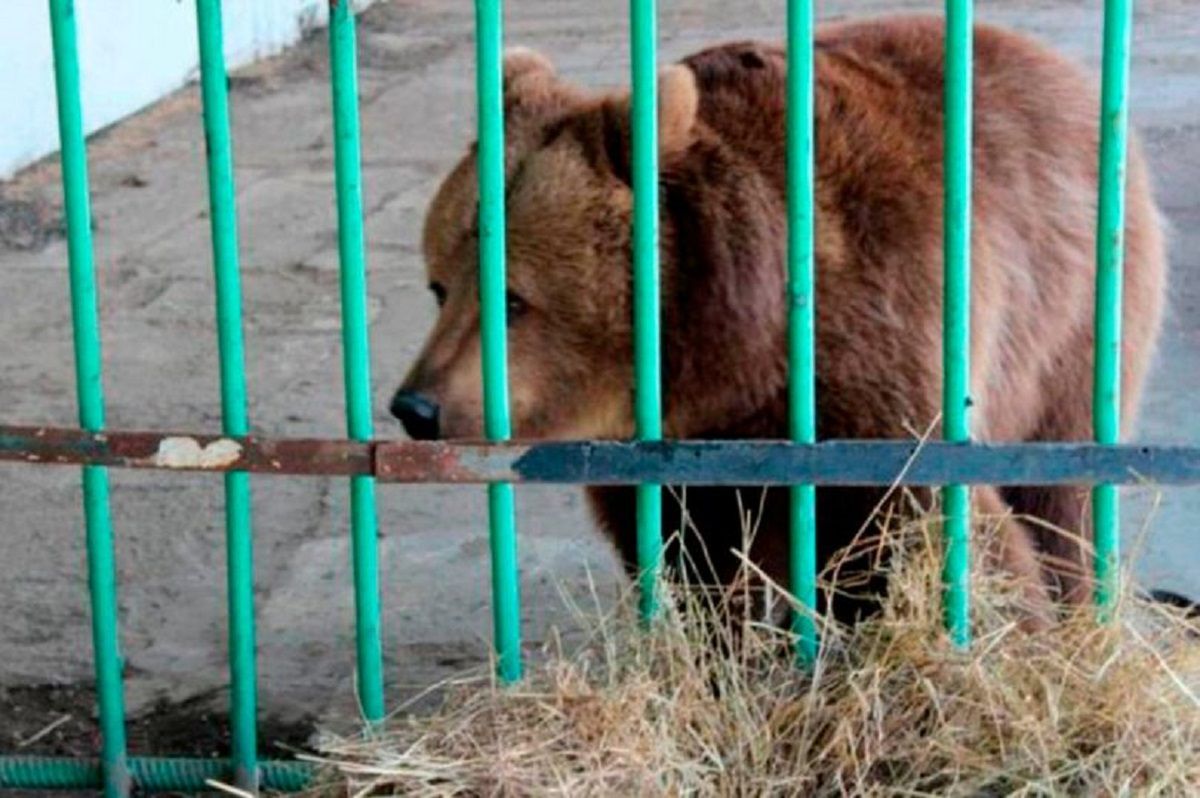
1110 250
243 696
102 577
151 774
647 371
356 353
802 416
239 533
956 331
506 603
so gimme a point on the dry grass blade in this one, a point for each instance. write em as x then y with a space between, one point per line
713 706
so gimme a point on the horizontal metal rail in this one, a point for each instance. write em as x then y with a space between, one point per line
150 774
731 462
185 451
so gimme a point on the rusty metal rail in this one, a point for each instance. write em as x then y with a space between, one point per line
184 451
731 462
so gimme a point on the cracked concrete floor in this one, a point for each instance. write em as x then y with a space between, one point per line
152 251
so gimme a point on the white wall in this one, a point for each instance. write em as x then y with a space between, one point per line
131 53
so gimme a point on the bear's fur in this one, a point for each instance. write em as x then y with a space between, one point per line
879 99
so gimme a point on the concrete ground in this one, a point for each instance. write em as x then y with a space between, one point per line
152 248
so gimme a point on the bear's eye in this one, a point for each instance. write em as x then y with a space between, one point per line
515 305
439 293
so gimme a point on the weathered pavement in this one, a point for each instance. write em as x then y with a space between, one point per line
161 370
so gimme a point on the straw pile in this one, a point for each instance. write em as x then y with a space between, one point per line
891 708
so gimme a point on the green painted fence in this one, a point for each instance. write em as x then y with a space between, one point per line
239 531
802 379
506 602
355 352
1110 249
956 318
647 359
649 462
102 573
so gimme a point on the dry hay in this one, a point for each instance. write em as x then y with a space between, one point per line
891 708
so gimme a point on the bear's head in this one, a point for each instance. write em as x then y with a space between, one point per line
569 207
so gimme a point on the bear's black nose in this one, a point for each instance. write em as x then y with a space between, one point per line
417 413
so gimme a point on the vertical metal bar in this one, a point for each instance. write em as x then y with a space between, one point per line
802 416
956 329
647 374
239 533
506 605
1110 250
102 576
356 352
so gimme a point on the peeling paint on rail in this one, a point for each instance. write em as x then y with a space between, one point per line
187 453
404 461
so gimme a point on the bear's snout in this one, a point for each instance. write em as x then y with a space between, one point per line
418 413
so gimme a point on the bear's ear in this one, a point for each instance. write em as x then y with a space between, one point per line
530 83
534 96
678 103
525 71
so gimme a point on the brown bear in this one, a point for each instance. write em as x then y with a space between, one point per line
879 268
